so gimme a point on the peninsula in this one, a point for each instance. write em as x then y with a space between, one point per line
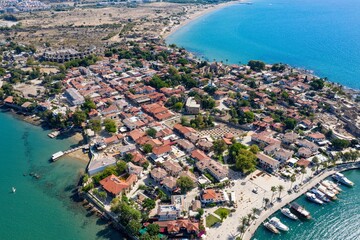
179 147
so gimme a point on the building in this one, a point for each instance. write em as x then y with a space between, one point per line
192 107
158 174
115 186
74 97
212 196
268 163
98 165
134 169
283 155
169 183
316 137
173 168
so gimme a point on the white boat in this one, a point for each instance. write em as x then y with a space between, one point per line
271 227
13 189
329 187
334 185
288 213
312 197
320 195
327 192
342 179
278 224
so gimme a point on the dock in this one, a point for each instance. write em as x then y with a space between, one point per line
59 154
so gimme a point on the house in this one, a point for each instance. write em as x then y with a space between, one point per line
304 152
126 149
173 168
158 152
134 169
265 138
316 137
290 138
199 155
268 163
169 183
136 134
283 155
172 211
192 107
98 165
115 186
137 158
176 226
307 144
205 145
271 149
74 97
158 174
212 196
185 145
182 130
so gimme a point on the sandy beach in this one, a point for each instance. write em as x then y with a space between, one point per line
205 9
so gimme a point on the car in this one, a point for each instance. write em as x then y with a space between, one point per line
255 190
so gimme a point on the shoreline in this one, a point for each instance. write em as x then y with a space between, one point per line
290 198
193 16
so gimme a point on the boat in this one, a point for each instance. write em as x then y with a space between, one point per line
312 197
271 227
342 179
13 189
300 210
320 195
329 187
288 213
278 224
327 192
334 185
57 155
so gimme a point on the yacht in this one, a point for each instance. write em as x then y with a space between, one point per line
320 195
13 189
312 197
329 187
342 179
300 210
271 227
288 213
327 192
278 224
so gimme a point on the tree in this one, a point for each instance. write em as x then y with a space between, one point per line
273 189
316 162
303 172
290 123
78 117
147 148
120 166
280 189
219 146
134 227
340 144
148 204
317 84
95 125
256 65
110 125
254 149
223 213
102 195
185 183
151 132
89 104
128 157
234 150
292 179
153 229
178 106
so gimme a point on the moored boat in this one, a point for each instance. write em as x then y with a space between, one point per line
300 210
342 179
13 189
278 224
320 195
288 213
271 227
327 192
312 197
329 186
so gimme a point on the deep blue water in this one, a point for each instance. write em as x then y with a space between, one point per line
41 209
321 35
338 220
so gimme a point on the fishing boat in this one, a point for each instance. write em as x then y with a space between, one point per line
342 179
312 197
320 195
13 189
271 227
300 210
288 213
329 187
327 192
278 224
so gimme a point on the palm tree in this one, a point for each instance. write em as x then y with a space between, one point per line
303 171
280 189
316 161
273 189
244 221
292 179
266 200
254 210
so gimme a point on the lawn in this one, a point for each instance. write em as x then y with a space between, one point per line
217 212
211 220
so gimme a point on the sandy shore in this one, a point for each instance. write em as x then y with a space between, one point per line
289 198
79 155
198 13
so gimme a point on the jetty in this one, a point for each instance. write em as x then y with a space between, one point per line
59 154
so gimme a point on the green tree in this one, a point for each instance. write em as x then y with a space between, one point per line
219 147
292 179
134 227
317 84
110 125
128 157
151 132
178 106
147 148
89 104
340 144
95 125
120 167
254 149
273 190
290 123
78 117
185 183
148 204
280 189
153 229
256 65
223 213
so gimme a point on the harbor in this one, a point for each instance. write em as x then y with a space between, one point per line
319 212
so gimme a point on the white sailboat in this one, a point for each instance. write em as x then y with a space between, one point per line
13 189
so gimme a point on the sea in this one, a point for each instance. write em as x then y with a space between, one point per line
41 208
337 220
322 36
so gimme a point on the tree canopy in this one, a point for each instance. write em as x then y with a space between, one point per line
185 183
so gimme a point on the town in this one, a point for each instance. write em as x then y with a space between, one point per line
179 146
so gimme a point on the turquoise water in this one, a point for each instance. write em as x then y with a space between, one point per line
321 35
333 221
41 209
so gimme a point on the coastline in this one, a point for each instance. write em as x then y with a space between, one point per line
289 198
197 14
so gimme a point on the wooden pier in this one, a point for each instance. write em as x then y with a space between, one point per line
59 154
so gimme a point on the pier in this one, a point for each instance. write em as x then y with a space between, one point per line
59 154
